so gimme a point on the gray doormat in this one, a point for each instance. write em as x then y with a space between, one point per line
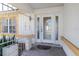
43 47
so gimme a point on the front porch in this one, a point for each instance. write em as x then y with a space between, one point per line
39 29
44 49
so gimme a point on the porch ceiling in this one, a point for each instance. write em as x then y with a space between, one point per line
44 5
33 6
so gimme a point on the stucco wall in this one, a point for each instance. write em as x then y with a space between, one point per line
71 21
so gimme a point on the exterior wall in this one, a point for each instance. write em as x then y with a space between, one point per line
71 21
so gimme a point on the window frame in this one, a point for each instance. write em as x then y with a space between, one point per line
9 26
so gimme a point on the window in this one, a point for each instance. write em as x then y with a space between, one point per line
38 34
12 26
6 7
9 26
5 25
0 25
57 18
0 7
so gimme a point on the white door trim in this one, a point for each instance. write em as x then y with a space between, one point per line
46 15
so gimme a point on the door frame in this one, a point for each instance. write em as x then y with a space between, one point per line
52 17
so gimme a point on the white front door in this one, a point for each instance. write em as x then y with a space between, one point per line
46 28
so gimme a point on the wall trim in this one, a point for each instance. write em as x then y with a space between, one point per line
71 46
66 49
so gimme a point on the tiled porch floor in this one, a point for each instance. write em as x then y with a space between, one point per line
54 51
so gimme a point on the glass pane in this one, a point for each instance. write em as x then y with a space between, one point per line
56 18
12 7
12 25
9 5
0 7
0 25
12 29
5 25
12 22
47 27
5 8
5 29
5 22
38 33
